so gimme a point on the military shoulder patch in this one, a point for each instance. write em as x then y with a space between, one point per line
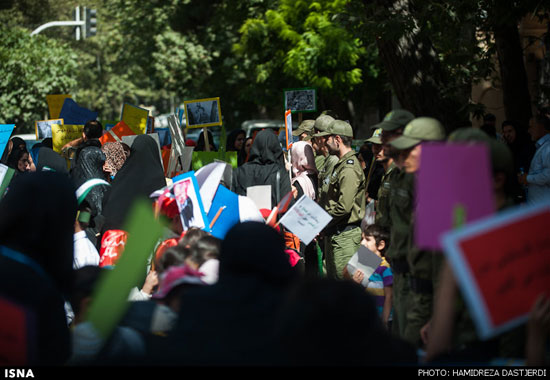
349 162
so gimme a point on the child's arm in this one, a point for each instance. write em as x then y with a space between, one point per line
388 299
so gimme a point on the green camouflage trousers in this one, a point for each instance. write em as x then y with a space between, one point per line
401 292
339 249
418 314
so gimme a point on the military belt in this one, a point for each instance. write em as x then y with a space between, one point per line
420 285
400 266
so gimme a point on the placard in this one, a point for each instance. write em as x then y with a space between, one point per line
6 174
202 158
116 133
188 197
73 114
305 219
5 134
455 181
203 113
288 129
64 133
502 265
209 178
43 128
261 195
300 99
55 104
366 261
225 206
135 117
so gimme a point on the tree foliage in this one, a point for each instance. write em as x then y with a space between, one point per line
31 68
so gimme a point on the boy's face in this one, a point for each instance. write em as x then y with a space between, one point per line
370 243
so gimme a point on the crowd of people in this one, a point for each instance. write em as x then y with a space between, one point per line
259 296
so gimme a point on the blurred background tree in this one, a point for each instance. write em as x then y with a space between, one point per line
364 57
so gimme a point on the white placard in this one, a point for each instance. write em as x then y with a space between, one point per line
366 261
261 195
305 219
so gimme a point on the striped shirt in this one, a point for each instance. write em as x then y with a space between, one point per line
382 277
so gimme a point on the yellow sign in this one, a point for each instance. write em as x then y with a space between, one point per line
55 103
62 134
135 118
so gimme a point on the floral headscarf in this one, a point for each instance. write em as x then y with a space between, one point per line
114 153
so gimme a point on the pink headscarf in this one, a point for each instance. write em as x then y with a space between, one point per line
303 163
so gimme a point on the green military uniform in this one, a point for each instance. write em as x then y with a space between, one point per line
394 210
344 200
400 208
320 161
382 204
324 177
423 265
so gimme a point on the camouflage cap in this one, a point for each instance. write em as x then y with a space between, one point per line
418 130
394 119
337 127
375 138
322 122
305 126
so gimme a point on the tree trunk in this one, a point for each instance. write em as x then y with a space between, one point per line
515 90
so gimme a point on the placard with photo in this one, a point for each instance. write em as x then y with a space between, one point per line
301 99
203 113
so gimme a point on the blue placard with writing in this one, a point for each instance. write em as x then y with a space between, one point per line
5 133
73 114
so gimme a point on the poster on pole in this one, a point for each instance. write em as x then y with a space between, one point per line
288 129
300 99
203 113
501 265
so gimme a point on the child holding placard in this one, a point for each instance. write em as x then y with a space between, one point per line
376 239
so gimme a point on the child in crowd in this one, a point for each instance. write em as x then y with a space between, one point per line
377 239
203 256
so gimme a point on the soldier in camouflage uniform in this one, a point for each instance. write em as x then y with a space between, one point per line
424 265
394 211
344 201
381 204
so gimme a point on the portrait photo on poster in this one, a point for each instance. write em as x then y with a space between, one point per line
301 100
43 128
191 212
203 113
